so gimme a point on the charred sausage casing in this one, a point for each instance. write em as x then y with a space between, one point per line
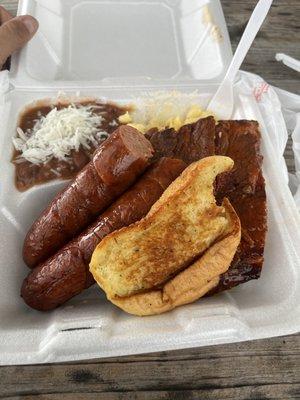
66 274
115 166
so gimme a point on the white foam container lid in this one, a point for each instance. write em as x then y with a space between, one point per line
119 50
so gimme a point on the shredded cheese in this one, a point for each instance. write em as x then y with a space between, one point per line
58 133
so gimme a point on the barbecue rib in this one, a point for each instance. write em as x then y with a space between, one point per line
244 186
191 143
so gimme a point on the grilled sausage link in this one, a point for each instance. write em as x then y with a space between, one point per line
66 274
115 166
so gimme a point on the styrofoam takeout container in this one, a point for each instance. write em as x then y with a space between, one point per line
119 50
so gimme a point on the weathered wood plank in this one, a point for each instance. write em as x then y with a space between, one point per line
271 392
280 33
271 362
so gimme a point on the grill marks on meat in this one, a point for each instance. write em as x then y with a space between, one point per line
191 143
244 186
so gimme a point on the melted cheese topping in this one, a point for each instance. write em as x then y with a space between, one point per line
58 133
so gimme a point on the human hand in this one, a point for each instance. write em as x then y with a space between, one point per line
14 33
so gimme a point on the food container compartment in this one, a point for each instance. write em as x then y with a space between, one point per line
124 42
89 326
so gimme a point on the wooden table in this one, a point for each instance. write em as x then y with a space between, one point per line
263 369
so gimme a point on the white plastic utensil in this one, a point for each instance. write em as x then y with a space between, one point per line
222 102
288 61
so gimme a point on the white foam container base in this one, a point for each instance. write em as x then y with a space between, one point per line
89 326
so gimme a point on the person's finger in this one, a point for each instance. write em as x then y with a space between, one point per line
4 15
15 33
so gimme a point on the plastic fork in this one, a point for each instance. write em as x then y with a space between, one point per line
222 103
